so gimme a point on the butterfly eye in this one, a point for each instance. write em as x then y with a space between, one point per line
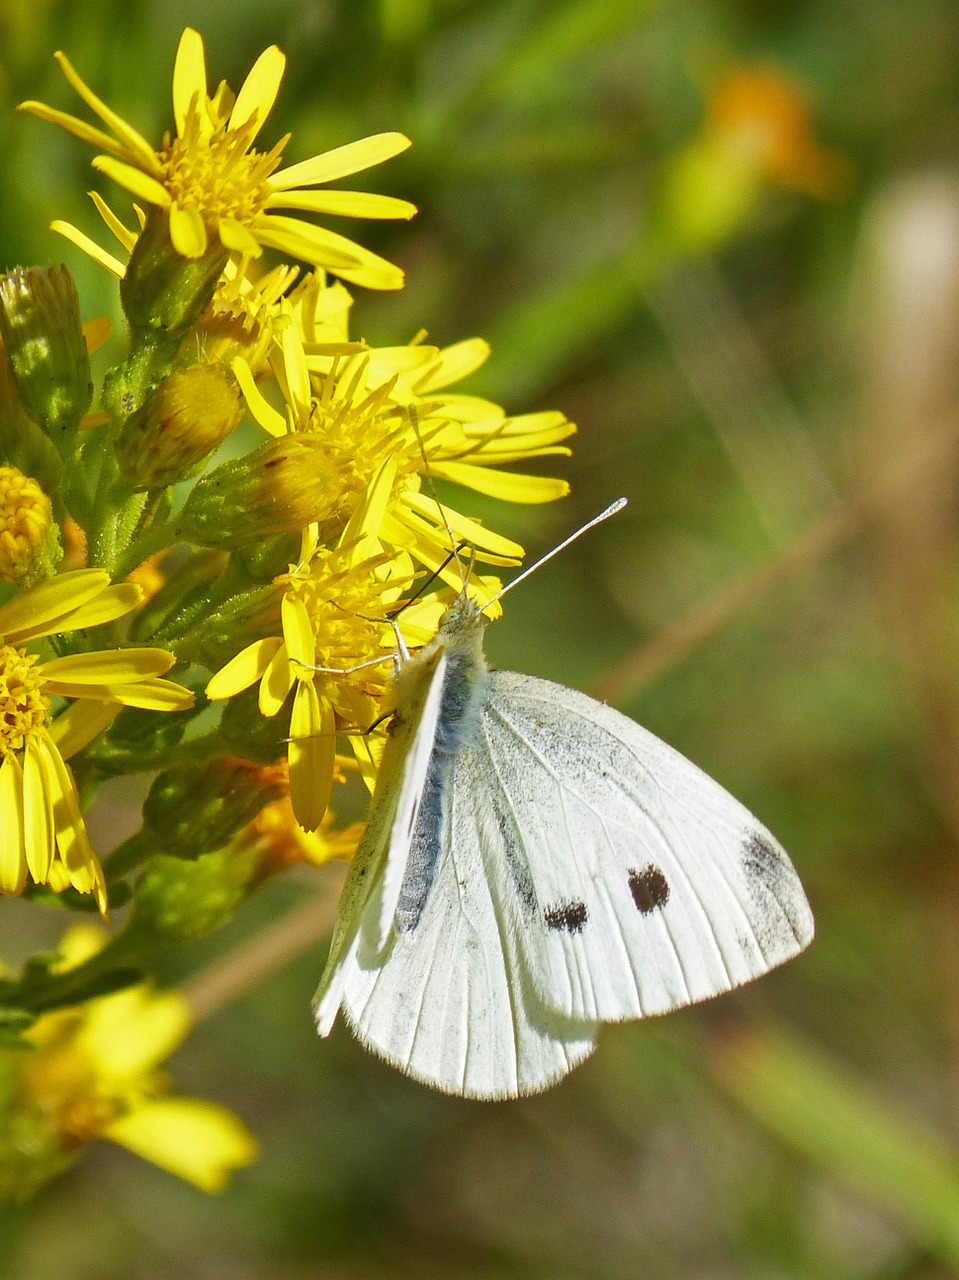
650 889
571 916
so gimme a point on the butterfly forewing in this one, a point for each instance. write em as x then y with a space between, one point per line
645 885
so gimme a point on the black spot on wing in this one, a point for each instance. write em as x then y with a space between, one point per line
650 889
571 916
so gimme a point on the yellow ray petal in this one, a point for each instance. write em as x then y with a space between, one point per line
133 142
198 1141
302 240
344 204
270 419
258 92
238 238
89 247
132 179
298 631
126 237
30 612
510 486
464 528
339 163
312 755
108 665
115 602
454 363
81 722
189 76
37 815
13 860
278 680
76 852
188 231
79 128
244 669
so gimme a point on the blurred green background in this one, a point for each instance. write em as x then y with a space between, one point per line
770 375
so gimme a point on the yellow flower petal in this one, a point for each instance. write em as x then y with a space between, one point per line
312 755
108 665
258 92
507 485
456 362
297 391
238 238
187 231
13 860
129 1034
76 853
37 815
298 631
81 722
302 240
243 670
133 142
112 603
95 333
89 247
344 204
38 611
368 515
126 237
339 163
79 128
150 695
132 179
198 1141
464 528
189 76
261 409
278 680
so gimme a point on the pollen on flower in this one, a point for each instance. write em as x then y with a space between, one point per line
23 707
216 175
25 520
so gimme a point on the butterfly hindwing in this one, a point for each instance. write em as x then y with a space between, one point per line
647 886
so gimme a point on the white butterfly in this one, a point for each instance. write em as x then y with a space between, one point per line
535 864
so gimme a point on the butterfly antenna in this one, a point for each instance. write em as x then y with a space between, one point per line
611 510
414 417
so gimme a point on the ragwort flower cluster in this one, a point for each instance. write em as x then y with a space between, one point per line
225 620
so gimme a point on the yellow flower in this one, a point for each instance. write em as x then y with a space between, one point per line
335 649
95 1073
391 404
284 843
215 187
44 836
29 546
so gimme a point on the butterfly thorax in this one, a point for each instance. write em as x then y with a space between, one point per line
454 657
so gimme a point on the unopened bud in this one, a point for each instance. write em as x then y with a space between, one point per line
193 411
162 292
272 490
41 327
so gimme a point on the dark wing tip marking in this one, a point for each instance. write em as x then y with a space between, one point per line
650 889
571 916
761 860
771 878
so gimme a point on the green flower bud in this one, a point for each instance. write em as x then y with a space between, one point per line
178 900
191 811
193 411
41 327
271 490
162 292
